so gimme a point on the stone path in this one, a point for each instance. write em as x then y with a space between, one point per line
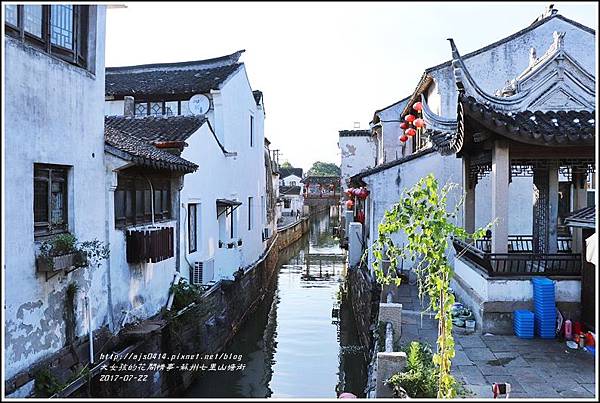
535 368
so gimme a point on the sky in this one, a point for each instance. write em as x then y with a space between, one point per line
321 66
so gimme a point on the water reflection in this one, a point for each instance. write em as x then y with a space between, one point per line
301 341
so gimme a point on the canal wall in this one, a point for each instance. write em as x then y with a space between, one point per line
364 295
203 328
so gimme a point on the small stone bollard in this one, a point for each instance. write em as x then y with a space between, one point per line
354 244
392 312
387 365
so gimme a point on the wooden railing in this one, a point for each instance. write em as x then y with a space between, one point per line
520 263
523 243
153 245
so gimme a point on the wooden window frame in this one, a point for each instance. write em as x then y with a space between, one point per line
250 218
76 56
131 184
251 130
149 101
47 229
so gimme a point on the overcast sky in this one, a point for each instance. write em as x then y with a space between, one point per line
321 66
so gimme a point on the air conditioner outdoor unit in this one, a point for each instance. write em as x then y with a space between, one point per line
203 271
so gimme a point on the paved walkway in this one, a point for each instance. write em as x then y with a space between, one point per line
535 368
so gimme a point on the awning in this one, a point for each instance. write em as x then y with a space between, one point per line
227 205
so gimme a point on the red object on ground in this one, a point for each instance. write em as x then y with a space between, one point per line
347 395
411 132
418 106
409 118
576 328
589 339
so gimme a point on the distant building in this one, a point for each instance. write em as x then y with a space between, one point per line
290 176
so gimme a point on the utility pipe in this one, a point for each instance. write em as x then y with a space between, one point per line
90 331
151 198
172 294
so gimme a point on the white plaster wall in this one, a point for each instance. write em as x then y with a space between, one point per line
54 114
511 58
393 148
499 290
358 154
386 187
287 181
296 204
114 108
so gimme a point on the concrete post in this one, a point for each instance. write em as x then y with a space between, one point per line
354 244
387 365
392 312
469 204
500 174
128 106
348 218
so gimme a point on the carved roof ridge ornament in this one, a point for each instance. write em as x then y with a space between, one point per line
555 81
445 133
467 85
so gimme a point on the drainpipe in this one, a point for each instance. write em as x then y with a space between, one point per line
90 331
172 294
151 198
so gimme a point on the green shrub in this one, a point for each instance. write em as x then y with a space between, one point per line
185 294
420 377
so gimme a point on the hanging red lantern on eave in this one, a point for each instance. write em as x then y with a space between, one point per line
404 125
349 204
417 106
409 118
410 132
403 138
419 123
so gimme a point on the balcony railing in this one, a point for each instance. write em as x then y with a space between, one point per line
520 263
523 243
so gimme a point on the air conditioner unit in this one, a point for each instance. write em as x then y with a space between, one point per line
203 272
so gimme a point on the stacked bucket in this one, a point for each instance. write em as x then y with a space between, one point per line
523 324
544 307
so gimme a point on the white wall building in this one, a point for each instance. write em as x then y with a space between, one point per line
223 206
358 150
54 174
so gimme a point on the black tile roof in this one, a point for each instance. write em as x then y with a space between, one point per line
355 133
285 172
189 78
290 190
562 128
357 179
585 217
323 180
157 128
132 148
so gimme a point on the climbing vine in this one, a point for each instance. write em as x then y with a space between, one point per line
422 215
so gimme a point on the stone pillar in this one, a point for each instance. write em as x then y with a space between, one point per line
391 312
500 177
545 209
469 203
387 365
354 244
579 181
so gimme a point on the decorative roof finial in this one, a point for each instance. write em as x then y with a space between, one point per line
550 10
532 56
455 54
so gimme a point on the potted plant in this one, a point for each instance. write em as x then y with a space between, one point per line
63 252
220 244
58 253
230 245
238 274
239 242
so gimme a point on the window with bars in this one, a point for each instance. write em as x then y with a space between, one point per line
60 30
159 108
250 213
251 131
134 200
50 199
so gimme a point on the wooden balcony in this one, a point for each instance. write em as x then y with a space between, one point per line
520 263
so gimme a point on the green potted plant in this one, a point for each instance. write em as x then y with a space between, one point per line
58 253
239 242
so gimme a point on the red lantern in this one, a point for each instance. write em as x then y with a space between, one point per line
356 192
418 106
348 192
409 118
419 123
403 138
411 132
404 125
349 204
361 217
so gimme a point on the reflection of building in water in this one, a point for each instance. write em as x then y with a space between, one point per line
322 266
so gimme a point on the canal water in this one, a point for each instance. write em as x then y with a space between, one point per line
302 339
